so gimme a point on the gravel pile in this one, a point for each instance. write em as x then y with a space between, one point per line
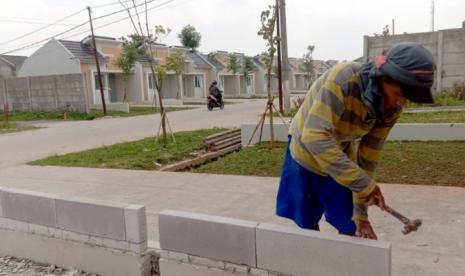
15 266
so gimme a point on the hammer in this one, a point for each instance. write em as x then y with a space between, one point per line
409 225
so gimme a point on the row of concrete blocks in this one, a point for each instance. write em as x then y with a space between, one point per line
195 244
116 226
400 132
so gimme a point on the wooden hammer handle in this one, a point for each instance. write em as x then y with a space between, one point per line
397 215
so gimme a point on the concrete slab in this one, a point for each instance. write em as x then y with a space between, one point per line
91 218
28 206
302 252
437 249
135 221
212 237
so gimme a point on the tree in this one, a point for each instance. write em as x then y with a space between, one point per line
175 62
386 31
190 38
233 64
247 67
126 61
307 64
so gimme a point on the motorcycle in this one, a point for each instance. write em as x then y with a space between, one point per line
213 102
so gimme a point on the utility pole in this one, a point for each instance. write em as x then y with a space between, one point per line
280 74
393 27
102 94
432 16
284 56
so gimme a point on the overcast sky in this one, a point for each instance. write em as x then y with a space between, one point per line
335 27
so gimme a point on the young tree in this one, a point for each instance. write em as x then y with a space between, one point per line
307 64
175 63
247 67
126 61
233 64
190 37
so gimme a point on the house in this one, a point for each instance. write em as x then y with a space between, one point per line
446 46
9 65
234 84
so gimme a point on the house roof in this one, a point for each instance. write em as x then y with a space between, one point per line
17 61
199 61
218 65
84 52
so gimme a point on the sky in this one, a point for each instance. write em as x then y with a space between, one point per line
335 27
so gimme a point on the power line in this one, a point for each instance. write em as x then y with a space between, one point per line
84 23
42 28
161 5
110 4
32 22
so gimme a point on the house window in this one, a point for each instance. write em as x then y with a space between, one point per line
198 81
221 81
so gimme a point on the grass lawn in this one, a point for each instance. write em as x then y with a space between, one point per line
135 111
427 163
138 155
12 127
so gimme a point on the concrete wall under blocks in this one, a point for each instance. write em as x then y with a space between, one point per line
201 245
108 239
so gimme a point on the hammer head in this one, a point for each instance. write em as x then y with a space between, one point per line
411 226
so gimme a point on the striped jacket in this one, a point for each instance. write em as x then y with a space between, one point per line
334 134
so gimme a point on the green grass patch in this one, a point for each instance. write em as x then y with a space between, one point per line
427 163
93 114
440 99
138 155
13 127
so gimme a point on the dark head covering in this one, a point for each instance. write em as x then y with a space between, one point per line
408 63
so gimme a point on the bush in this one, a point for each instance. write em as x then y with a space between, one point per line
458 90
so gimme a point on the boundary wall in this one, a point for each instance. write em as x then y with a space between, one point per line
200 245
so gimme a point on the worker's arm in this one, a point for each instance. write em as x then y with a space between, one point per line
369 153
318 138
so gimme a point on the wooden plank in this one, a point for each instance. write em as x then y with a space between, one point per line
221 134
199 160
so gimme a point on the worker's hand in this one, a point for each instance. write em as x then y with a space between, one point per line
364 230
376 198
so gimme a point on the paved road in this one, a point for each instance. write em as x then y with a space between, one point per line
437 249
64 137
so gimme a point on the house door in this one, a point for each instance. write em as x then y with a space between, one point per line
97 93
199 86
113 90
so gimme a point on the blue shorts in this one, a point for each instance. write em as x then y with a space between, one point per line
304 197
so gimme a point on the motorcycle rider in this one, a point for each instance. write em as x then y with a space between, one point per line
216 92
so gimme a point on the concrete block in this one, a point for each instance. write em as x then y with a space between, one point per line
258 272
38 229
119 245
91 218
70 254
211 237
176 256
73 236
173 268
138 247
303 252
27 206
428 132
135 223
55 233
14 225
206 262
240 269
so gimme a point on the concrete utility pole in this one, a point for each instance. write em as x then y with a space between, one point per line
102 94
284 56
280 74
